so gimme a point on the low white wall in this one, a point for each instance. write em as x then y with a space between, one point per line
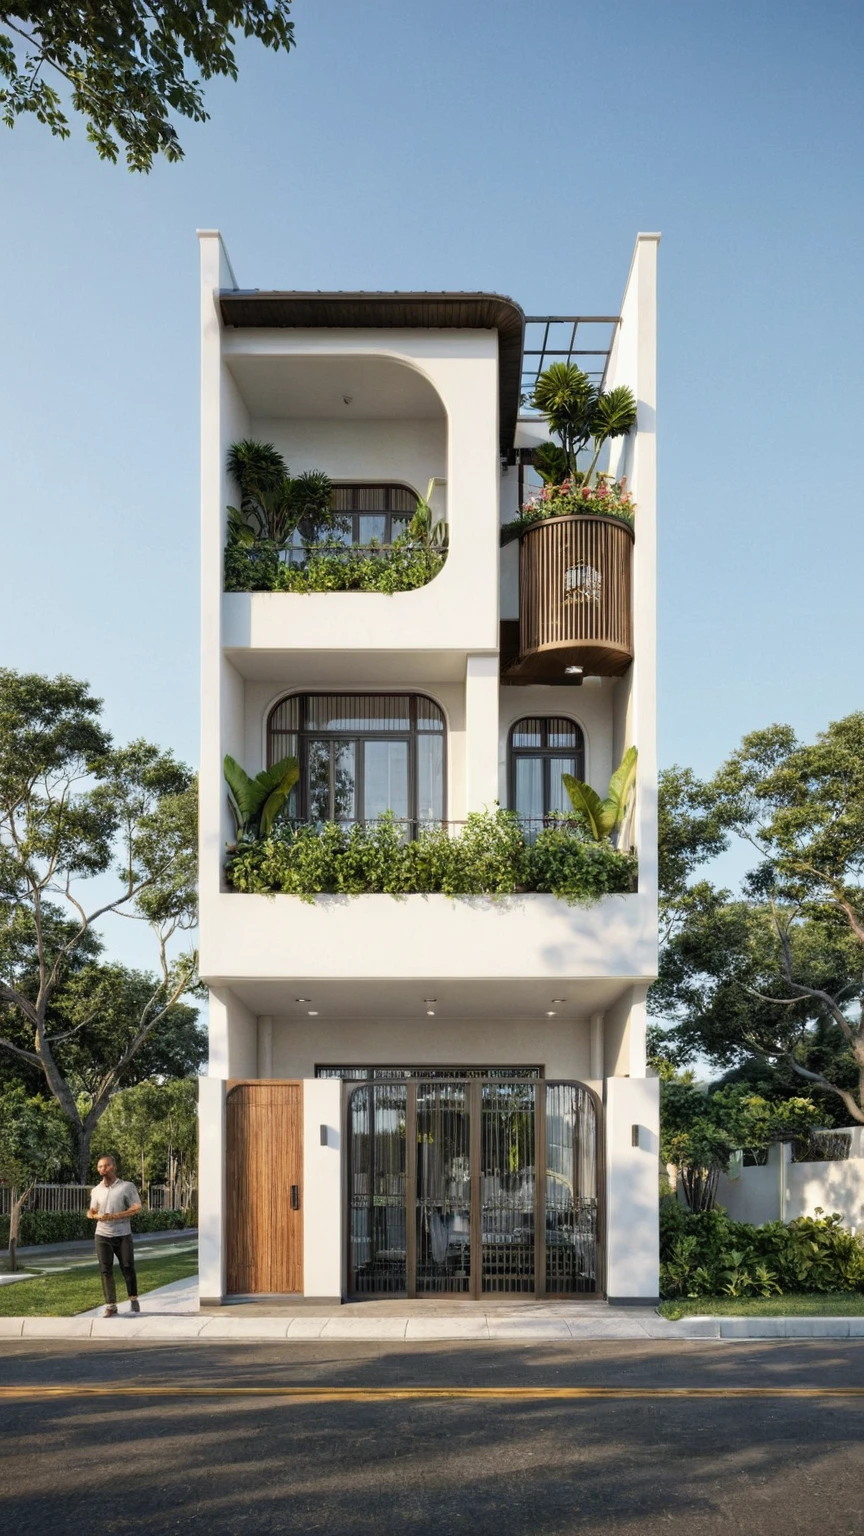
323 1222
211 1188
783 1191
633 1243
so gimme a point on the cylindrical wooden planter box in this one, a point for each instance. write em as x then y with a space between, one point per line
575 597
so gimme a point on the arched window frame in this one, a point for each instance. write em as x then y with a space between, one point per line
299 807
546 753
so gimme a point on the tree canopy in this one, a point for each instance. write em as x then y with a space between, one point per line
126 67
74 810
774 971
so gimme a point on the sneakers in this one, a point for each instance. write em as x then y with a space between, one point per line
110 1310
134 1304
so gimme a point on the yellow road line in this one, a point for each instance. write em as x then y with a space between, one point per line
402 1394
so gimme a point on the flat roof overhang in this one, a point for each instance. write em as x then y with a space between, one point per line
242 309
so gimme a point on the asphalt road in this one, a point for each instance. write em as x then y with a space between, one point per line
93 1460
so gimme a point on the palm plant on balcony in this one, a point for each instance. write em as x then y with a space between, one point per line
580 415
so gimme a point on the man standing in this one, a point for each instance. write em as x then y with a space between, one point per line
112 1203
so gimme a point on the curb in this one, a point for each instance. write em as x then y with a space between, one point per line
123 1329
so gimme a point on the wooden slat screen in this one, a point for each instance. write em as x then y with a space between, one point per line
264 1137
575 585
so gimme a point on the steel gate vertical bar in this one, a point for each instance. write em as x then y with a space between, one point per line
411 1190
540 1188
474 1105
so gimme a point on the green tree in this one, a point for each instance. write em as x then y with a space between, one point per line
34 1144
126 67
74 810
776 970
153 1129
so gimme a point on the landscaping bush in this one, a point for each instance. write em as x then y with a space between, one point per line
72 1226
707 1254
489 857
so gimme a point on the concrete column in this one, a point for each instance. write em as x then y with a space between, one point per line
481 732
265 1046
211 1189
322 1189
632 1163
595 1055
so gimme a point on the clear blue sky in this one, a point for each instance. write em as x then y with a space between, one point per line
469 145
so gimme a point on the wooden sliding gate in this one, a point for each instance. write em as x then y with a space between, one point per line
264 1214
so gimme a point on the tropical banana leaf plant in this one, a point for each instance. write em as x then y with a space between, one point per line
255 803
605 818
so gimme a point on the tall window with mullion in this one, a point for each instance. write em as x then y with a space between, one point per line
366 516
361 756
542 750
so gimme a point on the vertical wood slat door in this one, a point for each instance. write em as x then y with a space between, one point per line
264 1139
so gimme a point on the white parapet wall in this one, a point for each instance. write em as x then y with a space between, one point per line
782 1190
632 1152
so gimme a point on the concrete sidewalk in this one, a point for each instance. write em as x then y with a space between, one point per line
172 1313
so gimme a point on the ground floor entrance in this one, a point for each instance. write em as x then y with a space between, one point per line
474 1186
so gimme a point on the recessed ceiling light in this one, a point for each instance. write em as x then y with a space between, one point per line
550 1013
430 1013
430 999
313 1013
558 1000
302 999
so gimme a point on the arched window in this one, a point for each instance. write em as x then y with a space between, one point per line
542 748
362 754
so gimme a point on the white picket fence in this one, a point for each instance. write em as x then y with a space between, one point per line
76 1197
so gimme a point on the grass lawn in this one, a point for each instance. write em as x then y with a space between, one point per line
837 1304
77 1290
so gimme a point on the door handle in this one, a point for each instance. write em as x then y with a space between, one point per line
295 1197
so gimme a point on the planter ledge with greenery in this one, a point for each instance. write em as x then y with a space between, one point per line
576 859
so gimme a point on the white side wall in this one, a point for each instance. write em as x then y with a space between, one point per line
211 1188
633 1251
323 1218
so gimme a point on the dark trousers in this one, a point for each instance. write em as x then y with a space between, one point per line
107 1249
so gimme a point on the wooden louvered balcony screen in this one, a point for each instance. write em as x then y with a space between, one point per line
575 597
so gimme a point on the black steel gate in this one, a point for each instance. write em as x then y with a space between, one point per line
444 1192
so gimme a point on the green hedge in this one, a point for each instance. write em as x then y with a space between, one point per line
400 568
707 1254
489 857
70 1226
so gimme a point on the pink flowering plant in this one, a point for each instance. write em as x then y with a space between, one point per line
607 498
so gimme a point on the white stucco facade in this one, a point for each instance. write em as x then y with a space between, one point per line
525 981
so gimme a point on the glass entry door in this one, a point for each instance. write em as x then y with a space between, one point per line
473 1187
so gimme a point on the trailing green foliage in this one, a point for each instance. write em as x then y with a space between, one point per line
74 1226
706 1254
401 567
489 857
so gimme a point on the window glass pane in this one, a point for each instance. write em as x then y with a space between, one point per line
528 733
398 526
358 712
344 803
372 528
561 733
559 800
529 786
318 780
385 779
429 716
430 778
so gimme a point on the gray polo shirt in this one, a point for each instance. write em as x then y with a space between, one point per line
110 1199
